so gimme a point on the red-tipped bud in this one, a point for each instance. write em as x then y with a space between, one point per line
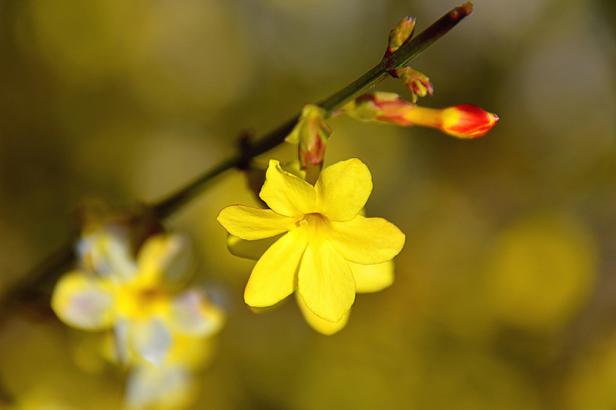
462 121
418 83
400 34
311 134
467 121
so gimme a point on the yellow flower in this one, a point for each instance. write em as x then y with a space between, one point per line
326 249
137 298
368 279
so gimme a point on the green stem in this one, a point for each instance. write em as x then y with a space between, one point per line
45 271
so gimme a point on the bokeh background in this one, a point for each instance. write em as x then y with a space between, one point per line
505 294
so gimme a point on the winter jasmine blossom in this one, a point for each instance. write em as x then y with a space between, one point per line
325 248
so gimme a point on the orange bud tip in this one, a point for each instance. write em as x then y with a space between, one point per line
468 121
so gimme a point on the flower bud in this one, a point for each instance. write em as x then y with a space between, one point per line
418 83
400 34
461 121
311 134
467 121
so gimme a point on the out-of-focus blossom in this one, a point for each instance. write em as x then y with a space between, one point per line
139 298
159 387
461 121
541 272
171 384
324 240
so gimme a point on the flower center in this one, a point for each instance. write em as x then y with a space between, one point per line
315 219
314 222
139 301
146 296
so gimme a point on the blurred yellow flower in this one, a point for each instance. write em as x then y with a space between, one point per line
541 271
326 249
138 298
171 384
159 387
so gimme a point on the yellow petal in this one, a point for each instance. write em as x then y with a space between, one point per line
164 256
343 189
286 193
253 223
367 240
107 252
150 339
321 325
83 301
273 277
190 313
159 387
372 278
249 249
325 282
121 349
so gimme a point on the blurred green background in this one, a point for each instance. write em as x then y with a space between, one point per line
505 293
